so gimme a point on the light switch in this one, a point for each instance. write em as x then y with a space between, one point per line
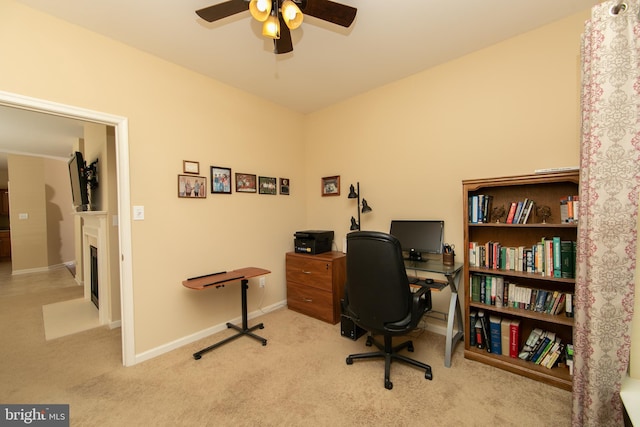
23 216
138 213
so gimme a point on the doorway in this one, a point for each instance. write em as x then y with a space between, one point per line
124 204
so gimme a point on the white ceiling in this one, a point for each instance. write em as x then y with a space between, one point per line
388 40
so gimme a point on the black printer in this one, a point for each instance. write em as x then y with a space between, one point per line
313 241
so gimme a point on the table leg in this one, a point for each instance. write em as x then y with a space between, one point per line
245 330
455 311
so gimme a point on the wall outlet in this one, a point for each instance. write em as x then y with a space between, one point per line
262 281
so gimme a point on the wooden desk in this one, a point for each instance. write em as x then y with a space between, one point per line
219 280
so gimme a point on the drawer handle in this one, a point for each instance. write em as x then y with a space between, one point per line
307 299
306 272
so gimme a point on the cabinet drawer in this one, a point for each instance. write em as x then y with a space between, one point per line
310 272
310 301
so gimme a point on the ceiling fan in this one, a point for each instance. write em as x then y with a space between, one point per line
281 16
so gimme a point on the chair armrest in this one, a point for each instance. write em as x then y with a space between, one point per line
420 305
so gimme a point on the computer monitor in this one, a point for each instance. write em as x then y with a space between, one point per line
418 237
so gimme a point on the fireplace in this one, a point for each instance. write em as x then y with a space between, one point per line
94 262
95 296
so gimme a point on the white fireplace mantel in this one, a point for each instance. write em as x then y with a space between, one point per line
94 233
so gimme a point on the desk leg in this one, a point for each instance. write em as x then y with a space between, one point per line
454 312
245 330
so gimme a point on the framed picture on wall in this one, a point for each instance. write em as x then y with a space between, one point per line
267 185
284 186
192 187
245 183
331 186
190 167
220 180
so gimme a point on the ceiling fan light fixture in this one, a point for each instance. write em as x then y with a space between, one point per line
291 14
271 27
260 9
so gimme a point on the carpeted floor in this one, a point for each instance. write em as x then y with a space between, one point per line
69 317
299 378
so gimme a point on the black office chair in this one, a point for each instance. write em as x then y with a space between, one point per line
378 297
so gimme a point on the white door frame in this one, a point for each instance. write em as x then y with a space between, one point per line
121 125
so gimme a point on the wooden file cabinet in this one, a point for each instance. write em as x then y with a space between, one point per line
315 284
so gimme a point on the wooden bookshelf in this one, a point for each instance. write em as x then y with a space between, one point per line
544 189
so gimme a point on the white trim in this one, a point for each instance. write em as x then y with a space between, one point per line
165 348
121 125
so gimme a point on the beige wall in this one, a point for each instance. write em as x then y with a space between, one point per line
174 115
508 109
60 247
29 248
39 188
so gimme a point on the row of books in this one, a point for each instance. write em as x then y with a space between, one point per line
495 334
519 212
500 292
480 208
501 336
551 256
569 209
543 348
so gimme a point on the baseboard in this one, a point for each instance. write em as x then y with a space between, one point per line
155 352
38 269
115 324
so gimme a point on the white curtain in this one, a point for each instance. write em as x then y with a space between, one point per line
609 187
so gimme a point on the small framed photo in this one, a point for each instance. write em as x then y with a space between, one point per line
267 185
284 186
192 187
245 183
220 180
331 186
190 167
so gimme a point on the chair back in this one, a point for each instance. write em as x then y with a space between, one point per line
377 288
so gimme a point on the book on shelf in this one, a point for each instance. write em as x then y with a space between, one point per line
484 328
567 259
478 330
553 355
530 343
473 318
529 209
545 346
505 336
569 209
516 216
568 351
568 306
499 285
514 337
495 334
556 254
512 212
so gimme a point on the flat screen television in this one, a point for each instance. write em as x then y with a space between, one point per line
418 237
78 176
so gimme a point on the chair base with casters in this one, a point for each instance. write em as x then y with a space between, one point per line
390 353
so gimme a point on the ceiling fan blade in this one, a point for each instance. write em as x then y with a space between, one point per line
222 10
284 43
330 11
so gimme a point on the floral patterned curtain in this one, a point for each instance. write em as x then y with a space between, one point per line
609 187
